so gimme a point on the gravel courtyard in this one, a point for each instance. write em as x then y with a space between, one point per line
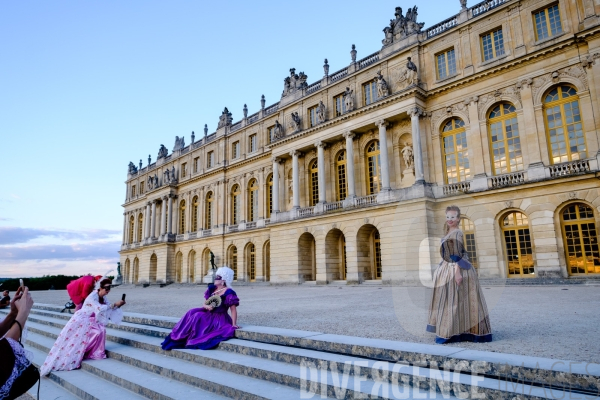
560 322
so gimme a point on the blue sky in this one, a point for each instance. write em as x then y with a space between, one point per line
88 86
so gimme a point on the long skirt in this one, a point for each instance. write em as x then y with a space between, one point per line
458 313
200 329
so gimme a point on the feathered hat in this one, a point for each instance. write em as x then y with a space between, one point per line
226 274
105 276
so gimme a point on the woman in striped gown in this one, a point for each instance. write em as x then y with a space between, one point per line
458 311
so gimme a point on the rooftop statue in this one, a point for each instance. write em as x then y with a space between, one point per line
132 168
162 152
402 26
382 86
294 82
179 143
225 119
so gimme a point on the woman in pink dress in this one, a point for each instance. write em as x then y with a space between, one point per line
84 335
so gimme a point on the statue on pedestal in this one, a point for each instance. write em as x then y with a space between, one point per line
382 86
277 131
321 112
296 123
225 119
132 168
349 99
162 152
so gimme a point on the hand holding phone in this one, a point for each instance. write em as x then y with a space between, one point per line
21 283
123 297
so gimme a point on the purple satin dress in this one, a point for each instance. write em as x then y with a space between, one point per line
203 329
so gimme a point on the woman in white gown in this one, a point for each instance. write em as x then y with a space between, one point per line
84 335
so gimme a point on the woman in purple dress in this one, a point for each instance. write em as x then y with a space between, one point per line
204 328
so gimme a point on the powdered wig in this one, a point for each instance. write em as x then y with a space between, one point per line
227 274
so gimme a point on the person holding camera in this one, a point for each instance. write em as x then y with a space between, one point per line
204 328
84 336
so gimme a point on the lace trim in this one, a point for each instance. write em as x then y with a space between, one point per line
21 364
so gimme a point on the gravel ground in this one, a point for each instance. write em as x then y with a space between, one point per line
558 322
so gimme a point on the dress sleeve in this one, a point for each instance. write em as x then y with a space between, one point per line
104 312
231 299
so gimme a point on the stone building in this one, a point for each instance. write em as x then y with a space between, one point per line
495 110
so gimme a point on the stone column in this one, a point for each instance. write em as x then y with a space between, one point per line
529 134
321 176
415 113
350 163
275 184
385 165
153 223
124 228
147 221
295 178
163 208
170 216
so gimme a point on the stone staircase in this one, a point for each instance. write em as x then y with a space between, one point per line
272 363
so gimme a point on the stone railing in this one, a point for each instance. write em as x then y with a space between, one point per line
455 188
338 75
569 168
368 60
334 206
253 118
271 109
516 178
442 26
251 225
267 221
211 137
206 232
485 6
179 237
365 200
306 211
193 235
313 87
236 127
233 228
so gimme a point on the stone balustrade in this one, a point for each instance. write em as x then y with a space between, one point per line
442 26
456 188
313 88
337 205
271 109
569 168
305 212
338 75
516 178
236 127
485 6
368 60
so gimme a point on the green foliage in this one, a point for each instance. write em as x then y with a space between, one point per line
58 282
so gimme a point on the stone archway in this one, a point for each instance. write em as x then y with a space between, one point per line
192 266
307 267
368 253
267 261
153 268
335 255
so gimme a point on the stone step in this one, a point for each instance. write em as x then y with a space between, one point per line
276 354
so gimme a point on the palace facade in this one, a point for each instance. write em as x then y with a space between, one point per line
495 109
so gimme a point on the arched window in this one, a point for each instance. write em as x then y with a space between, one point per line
252 261
192 266
233 261
253 200
374 167
128 278
236 196
195 214
179 267
314 182
270 195
580 239
517 244
504 139
140 227
136 269
182 217
468 228
131 229
564 128
340 167
208 211
456 153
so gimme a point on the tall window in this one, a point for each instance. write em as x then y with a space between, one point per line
252 144
141 187
564 127
314 182
252 261
235 150
547 22
183 170
208 208
377 254
340 166
580 239
468 229
456 155
374 167
133 191
504 139
517 245
131 229
182 217
270 133
369 92
236 196
195 214
312 116
253 201
196 164
340 107
210 159
270 195
492 45
140 232
445 64
234 262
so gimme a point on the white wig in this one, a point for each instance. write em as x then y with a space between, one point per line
105 276
227 274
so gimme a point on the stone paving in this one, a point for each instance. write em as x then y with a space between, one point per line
559 322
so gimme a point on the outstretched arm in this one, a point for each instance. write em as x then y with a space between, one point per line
234 316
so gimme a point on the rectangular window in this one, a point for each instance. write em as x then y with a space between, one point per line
369 92
340 107
492 45
270 132
235 150
312 116
210 159
445 64
547 22
141 187
196 164
183 170
252 148
133 191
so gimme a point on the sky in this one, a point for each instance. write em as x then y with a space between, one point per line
88 86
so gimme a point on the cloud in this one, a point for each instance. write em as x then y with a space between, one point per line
87 251
15 235
5 219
